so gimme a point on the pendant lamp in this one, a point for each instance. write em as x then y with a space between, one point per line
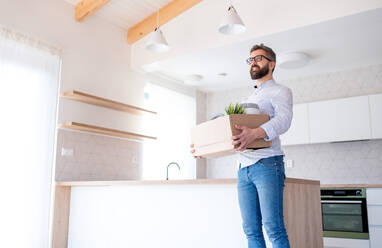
232 23
157 42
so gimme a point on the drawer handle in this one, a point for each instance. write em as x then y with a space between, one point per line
328 201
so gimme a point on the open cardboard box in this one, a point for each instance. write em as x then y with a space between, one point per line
214 138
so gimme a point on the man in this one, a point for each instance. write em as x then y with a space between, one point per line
261 172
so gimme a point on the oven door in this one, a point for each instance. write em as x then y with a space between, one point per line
345 218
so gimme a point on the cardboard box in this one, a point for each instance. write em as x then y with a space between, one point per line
214 138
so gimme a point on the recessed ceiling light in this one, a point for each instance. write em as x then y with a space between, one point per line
292 60
193 79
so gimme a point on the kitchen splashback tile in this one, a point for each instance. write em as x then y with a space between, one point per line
346 164
96 157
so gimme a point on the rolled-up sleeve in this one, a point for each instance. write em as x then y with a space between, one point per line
282 103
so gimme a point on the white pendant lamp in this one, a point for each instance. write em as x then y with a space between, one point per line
232 23
157 42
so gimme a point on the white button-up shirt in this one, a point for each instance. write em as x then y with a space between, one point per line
276 101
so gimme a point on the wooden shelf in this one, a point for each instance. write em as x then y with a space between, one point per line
102 130
103 102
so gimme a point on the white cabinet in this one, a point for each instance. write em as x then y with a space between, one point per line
346 243
375 236
376 116
346 119
374 214
298 132
339 120
374 196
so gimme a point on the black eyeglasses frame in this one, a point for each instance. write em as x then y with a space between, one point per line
250 59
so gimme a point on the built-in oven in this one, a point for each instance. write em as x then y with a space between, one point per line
344 213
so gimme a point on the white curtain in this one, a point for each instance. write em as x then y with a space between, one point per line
29 81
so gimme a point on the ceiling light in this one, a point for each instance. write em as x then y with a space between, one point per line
292 60
157 42
232 23
193 79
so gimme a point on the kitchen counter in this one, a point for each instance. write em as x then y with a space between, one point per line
206 205
173 182
351 186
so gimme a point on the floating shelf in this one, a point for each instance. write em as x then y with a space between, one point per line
102 130
103 102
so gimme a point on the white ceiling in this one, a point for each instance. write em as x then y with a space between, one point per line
127 13
340 44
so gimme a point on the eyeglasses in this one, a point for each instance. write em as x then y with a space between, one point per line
257 58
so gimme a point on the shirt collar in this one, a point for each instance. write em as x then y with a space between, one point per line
265 84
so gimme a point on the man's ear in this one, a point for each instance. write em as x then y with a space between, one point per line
272 65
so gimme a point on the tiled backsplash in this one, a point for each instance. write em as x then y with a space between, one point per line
201 102
333 163
350 162
97 157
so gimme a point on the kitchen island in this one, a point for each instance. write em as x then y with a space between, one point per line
175 213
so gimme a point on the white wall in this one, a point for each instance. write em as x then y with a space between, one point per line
95 57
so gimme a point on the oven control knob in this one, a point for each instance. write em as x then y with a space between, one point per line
358 192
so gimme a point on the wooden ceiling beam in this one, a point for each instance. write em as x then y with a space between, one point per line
166 14
86 8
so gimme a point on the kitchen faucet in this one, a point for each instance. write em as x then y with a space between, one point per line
169 165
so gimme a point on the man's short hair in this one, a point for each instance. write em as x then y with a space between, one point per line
268 52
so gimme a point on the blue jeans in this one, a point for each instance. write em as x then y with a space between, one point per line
260 191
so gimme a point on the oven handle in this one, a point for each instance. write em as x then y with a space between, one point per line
329 201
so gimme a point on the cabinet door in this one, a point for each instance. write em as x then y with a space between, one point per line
374 214
374 196
339 120
345 243
376 115
298 132
375 236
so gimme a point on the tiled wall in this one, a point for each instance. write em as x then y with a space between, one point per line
350 162
333 163
97 157
201 102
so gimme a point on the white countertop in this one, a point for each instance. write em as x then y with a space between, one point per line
172 182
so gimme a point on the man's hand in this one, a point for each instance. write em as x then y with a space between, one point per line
246 137
193 151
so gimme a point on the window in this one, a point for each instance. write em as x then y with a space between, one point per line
176 115
29 79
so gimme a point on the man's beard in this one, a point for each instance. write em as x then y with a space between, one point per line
261 72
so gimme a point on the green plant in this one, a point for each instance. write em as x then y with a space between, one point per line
234 109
